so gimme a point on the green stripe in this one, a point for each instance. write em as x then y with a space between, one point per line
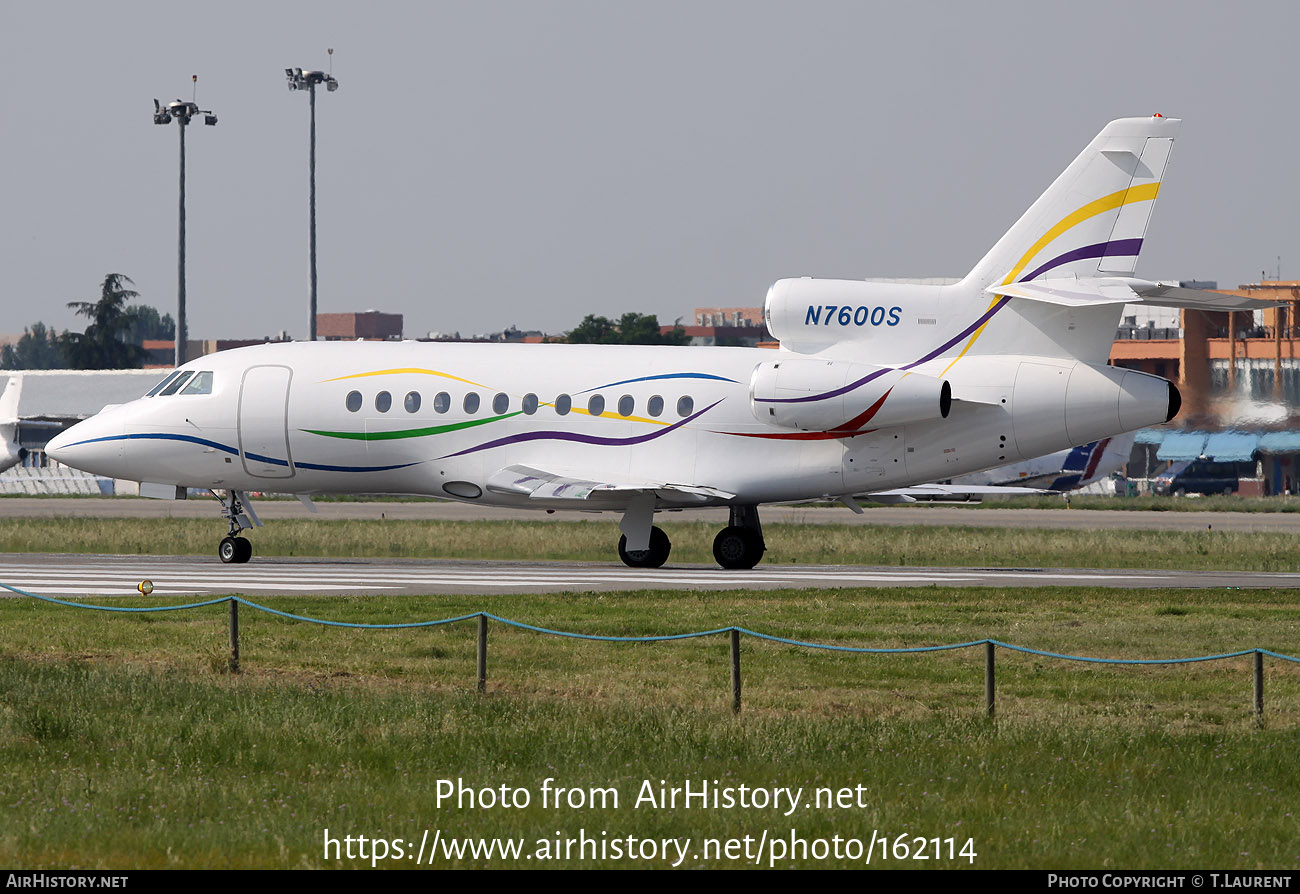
409 432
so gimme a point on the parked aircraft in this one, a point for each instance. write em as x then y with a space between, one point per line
11 454
1062 471
876 388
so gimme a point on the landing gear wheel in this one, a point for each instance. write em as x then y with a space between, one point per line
654 557
235 550
738 548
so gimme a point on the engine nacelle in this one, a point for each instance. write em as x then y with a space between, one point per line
837 395
1058 403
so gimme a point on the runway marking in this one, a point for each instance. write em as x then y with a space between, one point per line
118 576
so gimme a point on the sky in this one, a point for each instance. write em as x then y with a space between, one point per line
488 164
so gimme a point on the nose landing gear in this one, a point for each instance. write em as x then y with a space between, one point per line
238 511
235 550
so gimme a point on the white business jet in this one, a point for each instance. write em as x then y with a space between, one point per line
877 388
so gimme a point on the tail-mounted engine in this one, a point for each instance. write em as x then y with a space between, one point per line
837 395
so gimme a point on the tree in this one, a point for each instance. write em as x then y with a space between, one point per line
102 345
631 329
594 330
39 348
146 323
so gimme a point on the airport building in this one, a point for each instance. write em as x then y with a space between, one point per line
1239 375
734 326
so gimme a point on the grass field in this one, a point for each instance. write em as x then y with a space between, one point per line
692 542
126 742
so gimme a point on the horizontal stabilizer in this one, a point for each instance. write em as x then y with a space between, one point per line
1094 291
539 485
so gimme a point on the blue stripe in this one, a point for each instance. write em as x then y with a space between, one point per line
664 376
269 460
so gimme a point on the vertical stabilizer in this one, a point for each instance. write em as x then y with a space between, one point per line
1091 221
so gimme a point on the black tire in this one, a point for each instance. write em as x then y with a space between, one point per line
234 550
654 557
738 548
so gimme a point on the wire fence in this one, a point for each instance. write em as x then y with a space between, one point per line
732 633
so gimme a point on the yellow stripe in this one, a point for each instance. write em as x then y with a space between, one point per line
410 370
1142 193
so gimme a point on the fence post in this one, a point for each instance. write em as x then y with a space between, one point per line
735 670
234 635
989 686
482 652
1259 686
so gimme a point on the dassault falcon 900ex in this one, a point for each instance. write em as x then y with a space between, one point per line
876 389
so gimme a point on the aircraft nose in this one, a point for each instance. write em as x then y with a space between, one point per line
95 445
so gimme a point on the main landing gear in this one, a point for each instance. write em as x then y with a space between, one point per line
738 546
652 557
235 508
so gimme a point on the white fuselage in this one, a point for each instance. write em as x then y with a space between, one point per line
278 418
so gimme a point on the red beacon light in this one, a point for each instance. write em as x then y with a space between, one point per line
1157 115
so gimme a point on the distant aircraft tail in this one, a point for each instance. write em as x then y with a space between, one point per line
9 399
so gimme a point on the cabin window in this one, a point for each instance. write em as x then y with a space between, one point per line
626 404
412 402
441 402
500 403
596 405
530 404
655 406
383 401
563 404
471 403
176 384
200 384
685 405
353 401
162 384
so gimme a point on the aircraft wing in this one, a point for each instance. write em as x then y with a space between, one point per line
1126 290
923 493
539 485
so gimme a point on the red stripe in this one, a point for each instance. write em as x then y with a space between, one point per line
1095 460
846 430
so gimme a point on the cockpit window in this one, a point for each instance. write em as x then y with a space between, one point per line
162 384
175 385
200 384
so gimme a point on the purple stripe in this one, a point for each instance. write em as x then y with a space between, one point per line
1098 250
799 400
988 314
581 439
1001 303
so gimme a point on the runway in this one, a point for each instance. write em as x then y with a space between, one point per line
64 576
